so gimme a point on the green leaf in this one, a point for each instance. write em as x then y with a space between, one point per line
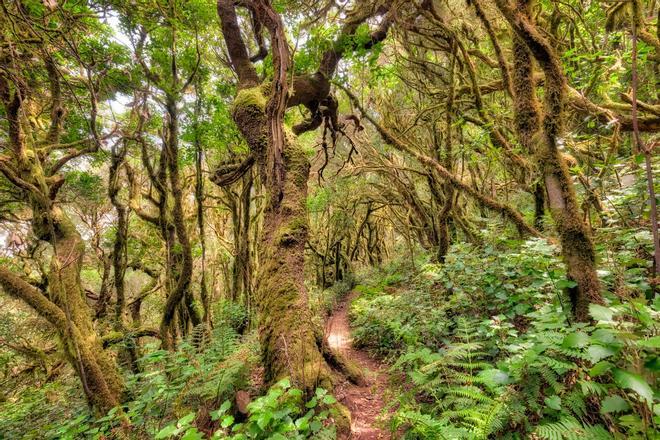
284 383
302 424
227 421
315 425
653 364
225 406
566 284
553 402
575 340
598 352
329 399
215 415
653 342
612 404
312 403
600 368
264 419
494 376
185 420
192 434
605 336
167 431
635 382
600 313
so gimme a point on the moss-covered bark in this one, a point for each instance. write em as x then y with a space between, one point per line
288 342
541 138
66 309
289 347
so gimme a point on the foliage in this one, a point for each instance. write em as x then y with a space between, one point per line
168 385
487 350
280 414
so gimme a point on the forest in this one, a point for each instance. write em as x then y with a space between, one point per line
329 219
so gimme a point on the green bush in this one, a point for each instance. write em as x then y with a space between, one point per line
169 385
280 414
487 349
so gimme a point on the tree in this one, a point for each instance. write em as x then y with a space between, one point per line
289 344
33 160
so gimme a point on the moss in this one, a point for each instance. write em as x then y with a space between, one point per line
112 337
342 416
252 97
297 164
292 232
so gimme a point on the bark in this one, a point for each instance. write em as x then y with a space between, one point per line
242 266
66 309
577 246
105 292
444 218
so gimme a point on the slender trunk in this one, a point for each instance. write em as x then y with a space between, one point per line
199 204
105 292
645 149
577 246
180 291
447 157
241 268
539 205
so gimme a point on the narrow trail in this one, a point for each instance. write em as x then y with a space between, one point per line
365 402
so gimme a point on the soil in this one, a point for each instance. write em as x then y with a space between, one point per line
366 403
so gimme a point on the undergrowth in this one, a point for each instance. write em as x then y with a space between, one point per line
187 394
485 348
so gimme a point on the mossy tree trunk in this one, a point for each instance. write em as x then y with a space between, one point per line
65 307
34 172
289 344
577 247
286 329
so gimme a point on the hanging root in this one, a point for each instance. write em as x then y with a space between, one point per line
327 113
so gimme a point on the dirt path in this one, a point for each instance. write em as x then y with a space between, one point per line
365 402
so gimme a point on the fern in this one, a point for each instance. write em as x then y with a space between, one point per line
590 388
569 428
575 402
566 428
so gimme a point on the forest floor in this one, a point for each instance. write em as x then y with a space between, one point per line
366 402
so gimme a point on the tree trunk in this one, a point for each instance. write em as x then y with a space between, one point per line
577 247
67 310
242 266
289 346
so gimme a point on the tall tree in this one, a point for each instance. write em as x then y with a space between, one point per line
576 243
34 160
289 345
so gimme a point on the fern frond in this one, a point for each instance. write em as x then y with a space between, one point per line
471 392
